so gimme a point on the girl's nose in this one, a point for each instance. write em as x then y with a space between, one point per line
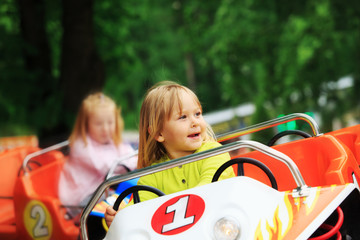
105 127
194 122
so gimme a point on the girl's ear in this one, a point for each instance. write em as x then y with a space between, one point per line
159 137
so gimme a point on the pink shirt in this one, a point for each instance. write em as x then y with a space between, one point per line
87 167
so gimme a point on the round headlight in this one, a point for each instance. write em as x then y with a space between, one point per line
226 228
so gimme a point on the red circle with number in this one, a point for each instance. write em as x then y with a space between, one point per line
178 214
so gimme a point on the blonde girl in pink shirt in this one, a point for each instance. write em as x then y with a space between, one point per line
95 143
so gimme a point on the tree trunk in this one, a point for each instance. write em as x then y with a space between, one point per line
82 70
36 50
190 71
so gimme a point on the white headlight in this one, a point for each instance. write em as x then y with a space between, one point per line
226 228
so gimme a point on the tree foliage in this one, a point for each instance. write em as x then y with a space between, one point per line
283 56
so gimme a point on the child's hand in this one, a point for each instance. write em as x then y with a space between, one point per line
109 215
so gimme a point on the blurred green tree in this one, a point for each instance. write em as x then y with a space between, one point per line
282 56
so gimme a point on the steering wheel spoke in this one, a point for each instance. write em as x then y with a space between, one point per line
135 190
240 162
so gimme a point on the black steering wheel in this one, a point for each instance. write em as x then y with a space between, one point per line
285 133
135 190
240 162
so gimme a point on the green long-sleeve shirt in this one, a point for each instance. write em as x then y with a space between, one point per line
186 176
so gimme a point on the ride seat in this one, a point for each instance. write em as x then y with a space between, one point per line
350 136
41 185
10 164
322 160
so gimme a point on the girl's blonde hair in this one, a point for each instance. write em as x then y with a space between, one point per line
97 99
157 107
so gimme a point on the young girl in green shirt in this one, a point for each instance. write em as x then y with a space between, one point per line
172 126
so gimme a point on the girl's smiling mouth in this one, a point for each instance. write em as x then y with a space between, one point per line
195 135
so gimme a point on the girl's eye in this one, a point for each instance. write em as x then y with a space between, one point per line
198 114
182 117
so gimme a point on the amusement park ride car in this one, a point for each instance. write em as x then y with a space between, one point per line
302 189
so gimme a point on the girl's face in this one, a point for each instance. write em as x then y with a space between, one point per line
101 124
185 130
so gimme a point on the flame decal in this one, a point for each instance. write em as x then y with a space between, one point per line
289 210
280 223
258 234
276 228
275 232
311 200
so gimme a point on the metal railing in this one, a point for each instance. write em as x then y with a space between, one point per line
119 161
42 151
272 123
